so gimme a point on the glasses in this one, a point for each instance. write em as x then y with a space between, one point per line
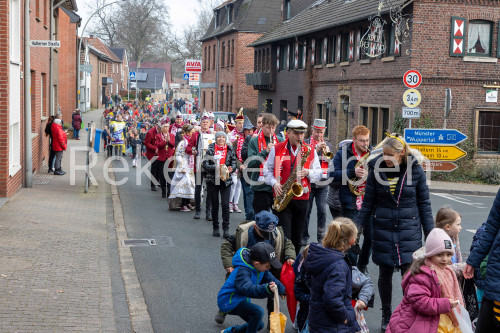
363 141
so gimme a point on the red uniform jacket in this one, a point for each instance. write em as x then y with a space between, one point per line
150 143
193 144
59 138
165 149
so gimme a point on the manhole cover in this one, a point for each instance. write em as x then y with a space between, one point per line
138 242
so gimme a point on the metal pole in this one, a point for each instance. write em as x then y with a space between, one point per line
28 160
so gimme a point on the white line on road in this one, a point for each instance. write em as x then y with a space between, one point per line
460 200
470 230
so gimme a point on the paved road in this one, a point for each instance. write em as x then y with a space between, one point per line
181 276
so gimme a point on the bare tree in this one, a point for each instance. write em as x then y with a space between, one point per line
105 28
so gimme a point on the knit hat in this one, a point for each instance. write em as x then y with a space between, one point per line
438 242
220 133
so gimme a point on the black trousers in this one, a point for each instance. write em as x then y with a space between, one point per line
262 200
486 321
224 191
293 221
154 171
385 283
197 199
160 176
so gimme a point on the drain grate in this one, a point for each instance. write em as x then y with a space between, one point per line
138 242
42 180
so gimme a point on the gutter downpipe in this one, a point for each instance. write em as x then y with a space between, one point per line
28 152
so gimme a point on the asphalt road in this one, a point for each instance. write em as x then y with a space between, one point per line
182 274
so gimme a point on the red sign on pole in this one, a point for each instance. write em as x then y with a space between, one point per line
193 66
412 78
439 166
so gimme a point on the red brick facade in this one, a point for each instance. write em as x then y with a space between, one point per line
232 93
375 86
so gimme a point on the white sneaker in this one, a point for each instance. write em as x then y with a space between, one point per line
231 207
236 209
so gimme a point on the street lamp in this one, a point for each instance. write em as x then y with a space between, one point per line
328 105
80 51
345 105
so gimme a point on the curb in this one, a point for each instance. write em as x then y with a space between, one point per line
139 315
463 192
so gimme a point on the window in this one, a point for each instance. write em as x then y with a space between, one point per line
255 61
479 38
213 57
291 56
282 57
300 103
230 12
269 105
287 10
488 132
227 98
331 50
208 62
232 52
268 59
283 111
221 98
228 53
394 45
301 56
42 91
321 113
376 119
318 56
204 101
223 54
14 119
345 47
231 101
205 58
37 8
212 99
216 19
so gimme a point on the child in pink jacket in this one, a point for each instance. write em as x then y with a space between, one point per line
431 290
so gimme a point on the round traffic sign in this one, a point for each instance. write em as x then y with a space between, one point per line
412 78
412 98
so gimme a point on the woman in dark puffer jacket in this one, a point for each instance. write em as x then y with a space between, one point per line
397 199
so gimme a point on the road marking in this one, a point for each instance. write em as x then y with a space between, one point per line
460 200
470 230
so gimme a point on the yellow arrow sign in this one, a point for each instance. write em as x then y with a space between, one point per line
440 153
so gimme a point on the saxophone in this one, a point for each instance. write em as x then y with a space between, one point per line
291 187
355 183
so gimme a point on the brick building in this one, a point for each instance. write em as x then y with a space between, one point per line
226 57
12 120
317 56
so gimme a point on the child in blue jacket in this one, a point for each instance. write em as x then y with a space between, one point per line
249 279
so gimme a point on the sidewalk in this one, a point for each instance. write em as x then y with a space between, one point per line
58 255
464 188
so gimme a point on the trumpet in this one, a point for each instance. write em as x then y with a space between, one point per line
327 153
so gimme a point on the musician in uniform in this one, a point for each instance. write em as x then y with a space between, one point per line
319 191
241 156
197 146
288 162
345 169
258 151
236 138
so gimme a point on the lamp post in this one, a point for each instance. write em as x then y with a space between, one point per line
80 49
345 105
328 105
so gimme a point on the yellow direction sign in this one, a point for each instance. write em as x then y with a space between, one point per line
440 153
412 98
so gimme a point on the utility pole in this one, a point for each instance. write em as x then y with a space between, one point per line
28 152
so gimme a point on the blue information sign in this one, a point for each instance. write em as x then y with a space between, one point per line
186 76
424 136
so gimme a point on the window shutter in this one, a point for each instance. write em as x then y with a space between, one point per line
296 65
325 50
288 64
457 43
339 46
358 41
278 58
351 45
304 55
313 51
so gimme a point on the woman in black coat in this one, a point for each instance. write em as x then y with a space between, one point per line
397 199
221 153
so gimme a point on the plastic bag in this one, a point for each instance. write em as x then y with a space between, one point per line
463 319
446 325
360 318
288 279
470 298
277 320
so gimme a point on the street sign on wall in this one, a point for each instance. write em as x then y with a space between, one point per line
193 66
412 78
412 98
411 113
434 136
440 153
439 166
45 43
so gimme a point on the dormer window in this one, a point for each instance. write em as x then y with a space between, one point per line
287 10
230 12
216 19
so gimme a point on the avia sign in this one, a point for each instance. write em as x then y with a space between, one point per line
193 66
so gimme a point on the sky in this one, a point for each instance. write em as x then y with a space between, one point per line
181 12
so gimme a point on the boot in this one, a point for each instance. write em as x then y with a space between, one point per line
216 232
226 233
209 216
386 317
197 215
59 172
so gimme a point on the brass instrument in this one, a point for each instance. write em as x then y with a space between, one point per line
326 152
356 182
291 187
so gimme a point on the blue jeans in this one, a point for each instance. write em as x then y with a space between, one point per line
252 314
76 133
320 194
247 200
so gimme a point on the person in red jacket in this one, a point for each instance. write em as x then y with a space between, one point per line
151 152
165 143
59 145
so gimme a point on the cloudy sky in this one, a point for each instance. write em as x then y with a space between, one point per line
181 12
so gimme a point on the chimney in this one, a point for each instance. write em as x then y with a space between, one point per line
91 36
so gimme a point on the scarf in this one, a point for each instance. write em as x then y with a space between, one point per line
263 146
449 286
220 154
239 145
361 187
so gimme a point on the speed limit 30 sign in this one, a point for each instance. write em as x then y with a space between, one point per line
412 98
412 79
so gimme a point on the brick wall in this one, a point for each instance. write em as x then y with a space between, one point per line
4 98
